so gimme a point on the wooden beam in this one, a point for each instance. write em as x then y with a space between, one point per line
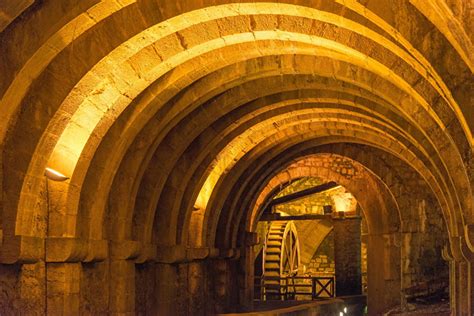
299 195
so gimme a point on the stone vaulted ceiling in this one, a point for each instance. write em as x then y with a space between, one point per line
170 117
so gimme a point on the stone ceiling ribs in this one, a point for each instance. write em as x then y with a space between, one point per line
175 120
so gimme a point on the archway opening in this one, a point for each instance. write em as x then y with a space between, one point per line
390 254
326 220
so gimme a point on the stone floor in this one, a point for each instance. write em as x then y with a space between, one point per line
436 305
438 309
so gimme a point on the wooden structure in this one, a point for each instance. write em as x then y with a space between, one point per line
281 257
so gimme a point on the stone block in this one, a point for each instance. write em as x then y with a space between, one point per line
171 254
21 249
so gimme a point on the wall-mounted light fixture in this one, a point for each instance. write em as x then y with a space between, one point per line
57 176
54 175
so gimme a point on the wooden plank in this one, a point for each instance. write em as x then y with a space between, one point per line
303 193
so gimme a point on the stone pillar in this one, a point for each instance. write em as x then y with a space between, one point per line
223 284
182 289
246 278
461 277
22 289
63 284
197 287
347 239
122 287
95 285
220 284
461 283
168 299
383 272
471 286
196 283
145 288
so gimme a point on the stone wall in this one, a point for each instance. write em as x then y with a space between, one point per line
313 204
347 241
22 289
363 267
423 261
322 263
200 287
95 287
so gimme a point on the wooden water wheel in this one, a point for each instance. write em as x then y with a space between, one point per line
281 258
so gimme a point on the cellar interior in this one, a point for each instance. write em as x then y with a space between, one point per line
204 157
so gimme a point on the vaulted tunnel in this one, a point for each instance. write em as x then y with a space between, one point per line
175 123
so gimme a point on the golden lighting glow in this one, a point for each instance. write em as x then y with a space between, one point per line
108 88
50 49
335 188
441 15
110 95
344 202
114 91
243 143
426 8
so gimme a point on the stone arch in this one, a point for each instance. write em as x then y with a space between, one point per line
361 156
384 280
102 99
71 125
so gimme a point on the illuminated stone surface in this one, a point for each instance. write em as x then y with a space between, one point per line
175 121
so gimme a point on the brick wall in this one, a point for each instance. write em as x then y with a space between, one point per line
347 255
322 263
